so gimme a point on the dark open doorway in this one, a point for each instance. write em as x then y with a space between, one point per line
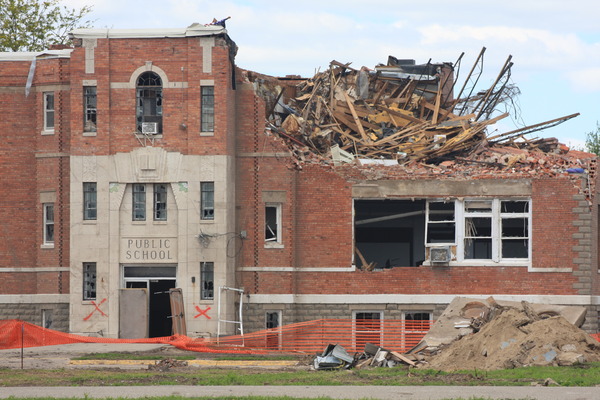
159 307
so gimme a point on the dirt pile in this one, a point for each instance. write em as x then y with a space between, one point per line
515 338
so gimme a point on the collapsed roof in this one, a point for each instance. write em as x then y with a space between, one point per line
406 114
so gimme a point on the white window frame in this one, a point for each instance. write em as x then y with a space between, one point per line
47 242
356 331
48 130
277 241
203 271
207 201
90 274
496 232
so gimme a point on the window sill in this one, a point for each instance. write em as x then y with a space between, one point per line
207 134
90 221
273 245
89 134
207 221
47 132
149 135
137 222
160 222
47 246
480 263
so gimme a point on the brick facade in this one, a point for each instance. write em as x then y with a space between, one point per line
309 270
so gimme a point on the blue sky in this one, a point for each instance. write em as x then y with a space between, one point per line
555 45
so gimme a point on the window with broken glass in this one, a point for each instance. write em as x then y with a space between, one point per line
207 200
368 328
207 277
441 225
496 229
90 196
89 281
48 234
139 202
160 202
272 223
149 103
89 109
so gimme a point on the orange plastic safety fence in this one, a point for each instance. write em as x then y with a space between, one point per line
15 334
314 336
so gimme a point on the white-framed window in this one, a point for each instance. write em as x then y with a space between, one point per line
89 281
273 232
416 324
48 226
481 229
207 109
89 108
138 199
207 200
496 229
207 280
48 111
367 328
441 222
90 201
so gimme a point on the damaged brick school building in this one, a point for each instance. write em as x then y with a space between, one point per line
147 179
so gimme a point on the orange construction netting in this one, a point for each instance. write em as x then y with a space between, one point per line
352 335
15 333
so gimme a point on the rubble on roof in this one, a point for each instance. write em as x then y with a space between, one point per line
401 120
406 114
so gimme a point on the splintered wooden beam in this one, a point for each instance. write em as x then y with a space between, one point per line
361 130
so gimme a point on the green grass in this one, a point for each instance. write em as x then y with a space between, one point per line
588 375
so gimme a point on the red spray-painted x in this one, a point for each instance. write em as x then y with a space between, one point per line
97 308
202 312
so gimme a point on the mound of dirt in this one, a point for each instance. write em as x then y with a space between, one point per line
515 338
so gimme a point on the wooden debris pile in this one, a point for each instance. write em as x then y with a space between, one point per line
401 111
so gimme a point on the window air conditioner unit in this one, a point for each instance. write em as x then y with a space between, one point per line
150 128
440 254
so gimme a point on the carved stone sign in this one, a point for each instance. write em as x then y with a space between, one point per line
149 250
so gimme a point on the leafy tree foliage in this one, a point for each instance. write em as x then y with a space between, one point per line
34 25
592 141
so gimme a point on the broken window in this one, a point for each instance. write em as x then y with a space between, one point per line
89 281
47 318
273 223
139 202
48 111
48 218
391 233
514 219
89 108
207 200
207 276
89 201
160 202
441 226
496 229
207 112
149 103
272 319
368 328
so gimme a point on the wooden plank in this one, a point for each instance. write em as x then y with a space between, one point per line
398 114
400 357
361 130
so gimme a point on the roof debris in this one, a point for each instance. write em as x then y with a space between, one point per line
406 114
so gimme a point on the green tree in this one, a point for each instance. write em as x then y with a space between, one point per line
592 141
34 25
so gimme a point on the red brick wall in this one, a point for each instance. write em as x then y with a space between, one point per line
181 60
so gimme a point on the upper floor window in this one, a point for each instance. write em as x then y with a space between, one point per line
89 109
207 114
139 202
207 200
160 202
48 218
48 111
273 225
90 195
149 103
